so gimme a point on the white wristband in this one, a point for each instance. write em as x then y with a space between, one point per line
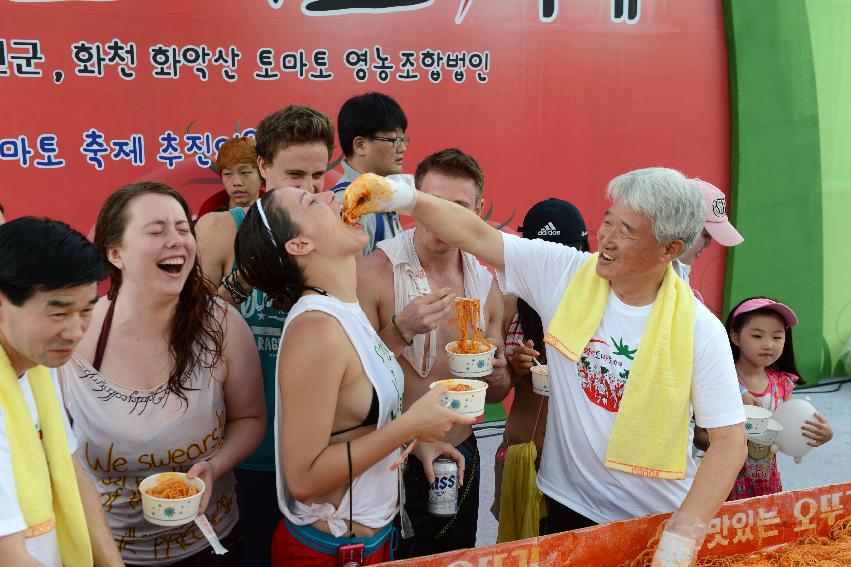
404 193
674 550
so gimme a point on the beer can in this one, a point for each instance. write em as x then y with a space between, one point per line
443 493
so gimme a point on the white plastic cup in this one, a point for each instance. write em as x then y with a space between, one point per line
757 419
541 380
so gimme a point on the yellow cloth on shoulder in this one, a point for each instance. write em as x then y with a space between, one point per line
650 433
521 505
44 473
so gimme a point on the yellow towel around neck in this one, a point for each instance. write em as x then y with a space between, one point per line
44 473
650 433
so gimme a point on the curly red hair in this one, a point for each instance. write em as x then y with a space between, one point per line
236 151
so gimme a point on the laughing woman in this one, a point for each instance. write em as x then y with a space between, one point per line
338 419
167 378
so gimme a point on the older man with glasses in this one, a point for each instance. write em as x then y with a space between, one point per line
372 128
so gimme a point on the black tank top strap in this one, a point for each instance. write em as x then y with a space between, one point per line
371 416
104 336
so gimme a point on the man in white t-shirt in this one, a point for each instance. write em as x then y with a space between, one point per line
653 216
48 286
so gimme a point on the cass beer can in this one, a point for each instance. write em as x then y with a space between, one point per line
443 493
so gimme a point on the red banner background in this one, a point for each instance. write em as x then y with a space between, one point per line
567 103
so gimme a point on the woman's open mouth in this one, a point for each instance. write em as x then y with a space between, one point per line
172 265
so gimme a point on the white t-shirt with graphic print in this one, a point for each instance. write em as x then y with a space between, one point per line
585 396
44 547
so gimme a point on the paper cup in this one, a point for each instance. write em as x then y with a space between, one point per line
470 365
470 403
170 511
757 419
773 428
541 380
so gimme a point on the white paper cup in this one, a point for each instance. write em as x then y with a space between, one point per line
757 419
541 380
470 365
470 403
773 428
170 511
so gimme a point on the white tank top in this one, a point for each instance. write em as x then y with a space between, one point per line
376 490
410 280
126 435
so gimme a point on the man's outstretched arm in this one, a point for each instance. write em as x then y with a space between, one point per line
460 227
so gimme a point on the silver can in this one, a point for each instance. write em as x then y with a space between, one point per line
443 493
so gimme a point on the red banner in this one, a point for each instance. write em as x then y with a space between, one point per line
554 98
743 526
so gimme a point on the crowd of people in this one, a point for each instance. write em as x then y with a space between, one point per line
285 358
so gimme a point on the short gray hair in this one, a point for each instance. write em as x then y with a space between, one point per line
676 209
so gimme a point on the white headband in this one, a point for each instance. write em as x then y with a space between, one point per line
265 221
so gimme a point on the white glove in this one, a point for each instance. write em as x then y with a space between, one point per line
674 550
680 542
371 193
404 193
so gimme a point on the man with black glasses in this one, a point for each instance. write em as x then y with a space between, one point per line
372 128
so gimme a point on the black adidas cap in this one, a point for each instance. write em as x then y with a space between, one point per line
555 220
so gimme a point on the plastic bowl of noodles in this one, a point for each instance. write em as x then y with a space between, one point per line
171 499
474 365
466 397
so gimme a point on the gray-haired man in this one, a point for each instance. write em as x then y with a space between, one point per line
653 216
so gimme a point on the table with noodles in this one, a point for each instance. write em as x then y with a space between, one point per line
470 337
813 551
808 527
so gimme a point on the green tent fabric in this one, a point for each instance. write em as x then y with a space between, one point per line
830 28
776 194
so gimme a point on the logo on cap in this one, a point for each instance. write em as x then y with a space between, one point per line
549 229
719 207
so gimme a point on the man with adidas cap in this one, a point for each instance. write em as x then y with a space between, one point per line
553 220
557 221
716 227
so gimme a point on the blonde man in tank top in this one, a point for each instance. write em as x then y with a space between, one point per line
420 327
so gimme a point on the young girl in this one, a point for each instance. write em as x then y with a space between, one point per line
760 331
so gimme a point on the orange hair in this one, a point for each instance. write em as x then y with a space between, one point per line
236 151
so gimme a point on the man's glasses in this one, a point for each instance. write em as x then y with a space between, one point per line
397 141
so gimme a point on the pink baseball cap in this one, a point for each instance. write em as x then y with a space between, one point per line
765 303
717 224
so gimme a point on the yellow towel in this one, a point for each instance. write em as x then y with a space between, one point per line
650 433
521 505
44 474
